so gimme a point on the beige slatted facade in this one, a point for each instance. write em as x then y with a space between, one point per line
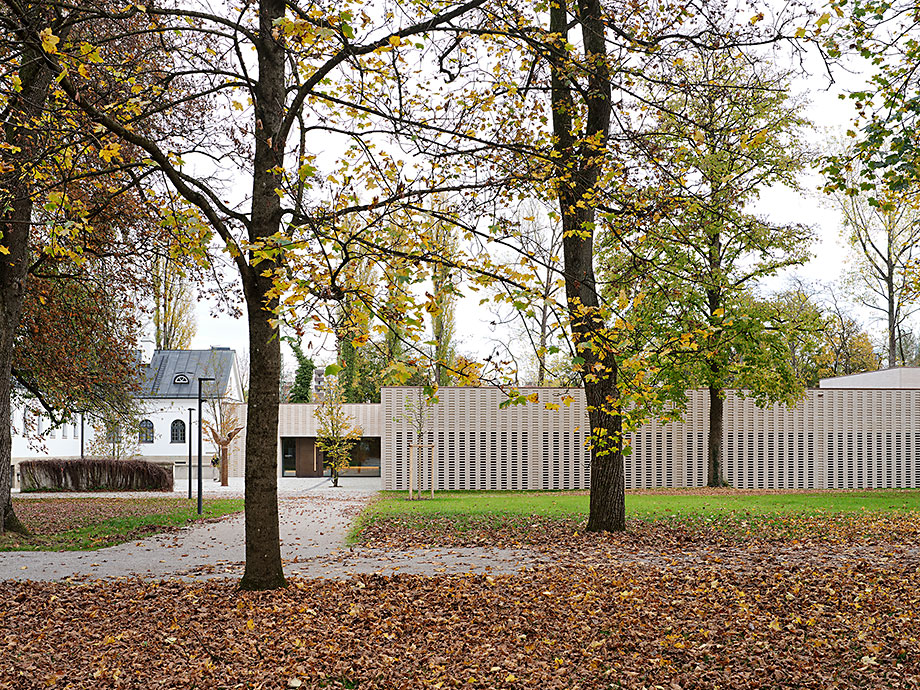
834 438
299 420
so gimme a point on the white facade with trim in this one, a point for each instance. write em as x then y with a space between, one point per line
169 388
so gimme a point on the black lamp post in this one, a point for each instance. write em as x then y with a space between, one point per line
190 410
200 487
82 432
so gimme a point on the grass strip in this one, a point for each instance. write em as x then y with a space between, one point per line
85 524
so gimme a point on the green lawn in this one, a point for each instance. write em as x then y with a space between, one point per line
647 505
80 524
492 516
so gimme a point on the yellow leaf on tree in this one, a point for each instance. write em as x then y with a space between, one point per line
109 151
49 41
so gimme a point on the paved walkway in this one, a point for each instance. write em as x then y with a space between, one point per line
314 522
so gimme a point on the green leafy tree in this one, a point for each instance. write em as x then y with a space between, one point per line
302 390
729 129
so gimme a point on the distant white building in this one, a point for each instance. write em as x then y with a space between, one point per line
168 399
895 378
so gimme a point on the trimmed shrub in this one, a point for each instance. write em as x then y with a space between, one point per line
94 474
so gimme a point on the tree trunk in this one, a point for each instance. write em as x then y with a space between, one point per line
607 510
13 269
15 226
892 321
263 541
714 441
579 160
224 464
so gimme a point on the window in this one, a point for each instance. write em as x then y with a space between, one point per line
181 379
177 432
146 432
76 430
64 430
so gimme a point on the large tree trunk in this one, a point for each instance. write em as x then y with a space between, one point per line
15 226
714 440
13 269
580 160
263 542
607 510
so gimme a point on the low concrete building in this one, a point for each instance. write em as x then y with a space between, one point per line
835 437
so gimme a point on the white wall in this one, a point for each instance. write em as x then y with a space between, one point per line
51 443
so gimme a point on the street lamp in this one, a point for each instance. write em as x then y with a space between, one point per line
190 410
82 432
200 487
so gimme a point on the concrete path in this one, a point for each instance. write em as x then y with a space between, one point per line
314 522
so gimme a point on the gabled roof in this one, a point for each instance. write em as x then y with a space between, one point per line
174 373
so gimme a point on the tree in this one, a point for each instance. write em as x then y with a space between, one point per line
173 308
846 349
224 426
535 312
302 390
883 230
336 433
443 301
878 170
276 101
823 339
729 129
72 226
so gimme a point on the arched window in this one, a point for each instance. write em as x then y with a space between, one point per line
146 432
177 432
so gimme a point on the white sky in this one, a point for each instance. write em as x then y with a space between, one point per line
831 116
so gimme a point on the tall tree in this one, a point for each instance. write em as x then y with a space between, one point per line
729 129
72 223
173 306
276 102
882 228
443 302
302 389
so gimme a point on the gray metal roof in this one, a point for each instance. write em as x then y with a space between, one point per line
164 376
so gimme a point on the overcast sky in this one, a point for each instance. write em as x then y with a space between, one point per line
832 118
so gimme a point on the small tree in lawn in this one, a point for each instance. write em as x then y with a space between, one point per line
223 427
337 433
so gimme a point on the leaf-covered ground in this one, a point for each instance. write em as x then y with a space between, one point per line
95 522
564 627
409 531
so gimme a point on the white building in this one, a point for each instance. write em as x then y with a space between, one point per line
168 399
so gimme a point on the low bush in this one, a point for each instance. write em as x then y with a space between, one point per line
94 474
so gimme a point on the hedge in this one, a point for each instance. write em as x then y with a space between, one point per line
94 474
